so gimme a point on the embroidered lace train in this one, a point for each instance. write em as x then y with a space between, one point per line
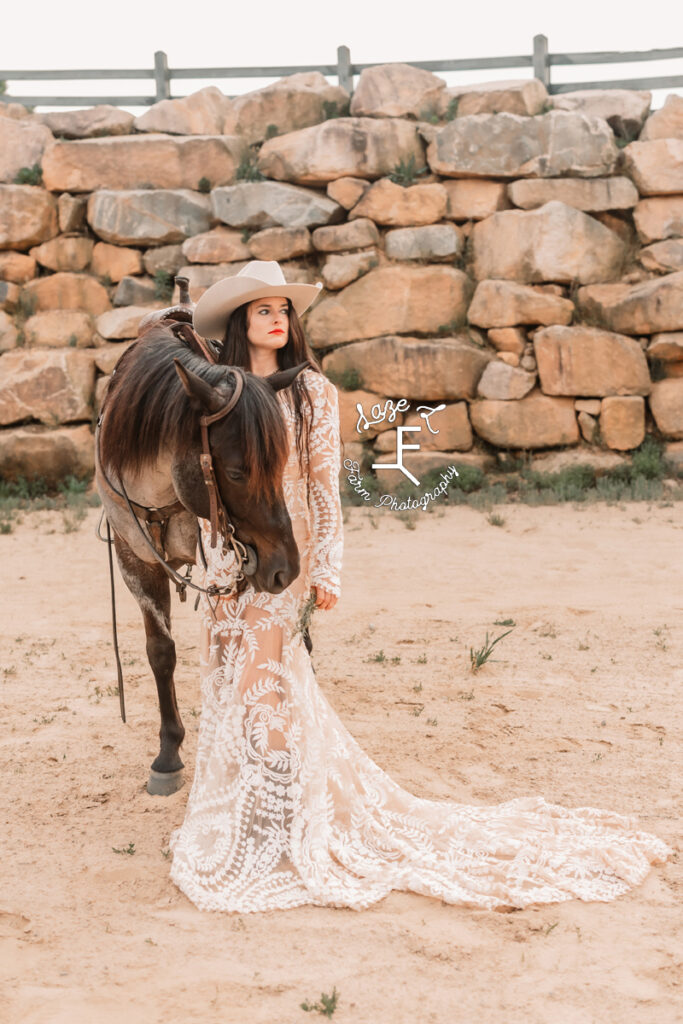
286 809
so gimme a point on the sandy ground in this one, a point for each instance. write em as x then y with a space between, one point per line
583 707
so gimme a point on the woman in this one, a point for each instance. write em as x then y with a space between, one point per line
286 809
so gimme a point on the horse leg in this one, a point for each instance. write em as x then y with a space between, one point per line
149 586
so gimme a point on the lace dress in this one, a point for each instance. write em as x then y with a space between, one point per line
286 808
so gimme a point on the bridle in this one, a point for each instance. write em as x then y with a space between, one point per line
157 518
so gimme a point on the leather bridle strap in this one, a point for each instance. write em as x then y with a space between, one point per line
216 506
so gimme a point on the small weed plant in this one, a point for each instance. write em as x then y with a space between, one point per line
248 168
326 1004
130 849
482 654
406 172
163 285
29 175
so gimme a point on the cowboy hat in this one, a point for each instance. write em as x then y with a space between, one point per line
258 280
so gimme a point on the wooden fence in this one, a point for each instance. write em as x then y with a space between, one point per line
540 61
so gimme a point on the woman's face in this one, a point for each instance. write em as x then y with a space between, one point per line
268 324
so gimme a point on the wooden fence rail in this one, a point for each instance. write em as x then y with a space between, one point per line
540 61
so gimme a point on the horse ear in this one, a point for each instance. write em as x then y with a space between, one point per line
283 378
203 396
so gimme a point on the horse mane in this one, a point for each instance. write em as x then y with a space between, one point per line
147 410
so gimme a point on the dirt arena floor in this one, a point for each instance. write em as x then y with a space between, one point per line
583 706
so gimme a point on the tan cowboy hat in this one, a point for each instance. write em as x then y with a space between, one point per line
258 280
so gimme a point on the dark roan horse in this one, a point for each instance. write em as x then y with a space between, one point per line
149 445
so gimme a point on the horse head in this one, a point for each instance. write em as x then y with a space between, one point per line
248 448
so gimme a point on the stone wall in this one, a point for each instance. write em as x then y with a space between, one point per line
515 256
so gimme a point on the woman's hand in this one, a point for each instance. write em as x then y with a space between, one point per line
324 599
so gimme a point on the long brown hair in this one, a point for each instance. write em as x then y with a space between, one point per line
235 352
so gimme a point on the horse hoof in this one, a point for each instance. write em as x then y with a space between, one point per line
164 783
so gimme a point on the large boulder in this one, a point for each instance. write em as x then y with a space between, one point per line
9 296
666 404
397 90
355 234
115 261
51 386
123 322
508 339
59 328
220 245
146 217
527 96
8 333
664 256
168 258
201 276
624 110
434 368
65 290
363 147
17 267
355 427
340 270
505 383
445 429
40 453
659 217
22 145
136 291
554 243
622 422
667 122
506 304
392 300
347 191
474 199
93 122
385 202
510 146
281 243
535 421
16 111
656 167
645 308
433 242
28 215
295 102
66 252
271 204
135 161
588 194
667 346
588 361
71 211
202 113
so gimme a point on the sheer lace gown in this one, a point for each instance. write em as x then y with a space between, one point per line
286 808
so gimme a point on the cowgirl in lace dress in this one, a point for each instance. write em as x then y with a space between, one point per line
286 808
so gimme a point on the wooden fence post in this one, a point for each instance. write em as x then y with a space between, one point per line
541 65
161 76
344 74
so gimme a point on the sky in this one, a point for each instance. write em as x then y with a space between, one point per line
203 33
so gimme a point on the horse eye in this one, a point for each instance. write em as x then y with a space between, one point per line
234 474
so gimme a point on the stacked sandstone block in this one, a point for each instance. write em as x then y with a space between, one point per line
514 256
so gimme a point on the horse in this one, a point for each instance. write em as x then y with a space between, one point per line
180 438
